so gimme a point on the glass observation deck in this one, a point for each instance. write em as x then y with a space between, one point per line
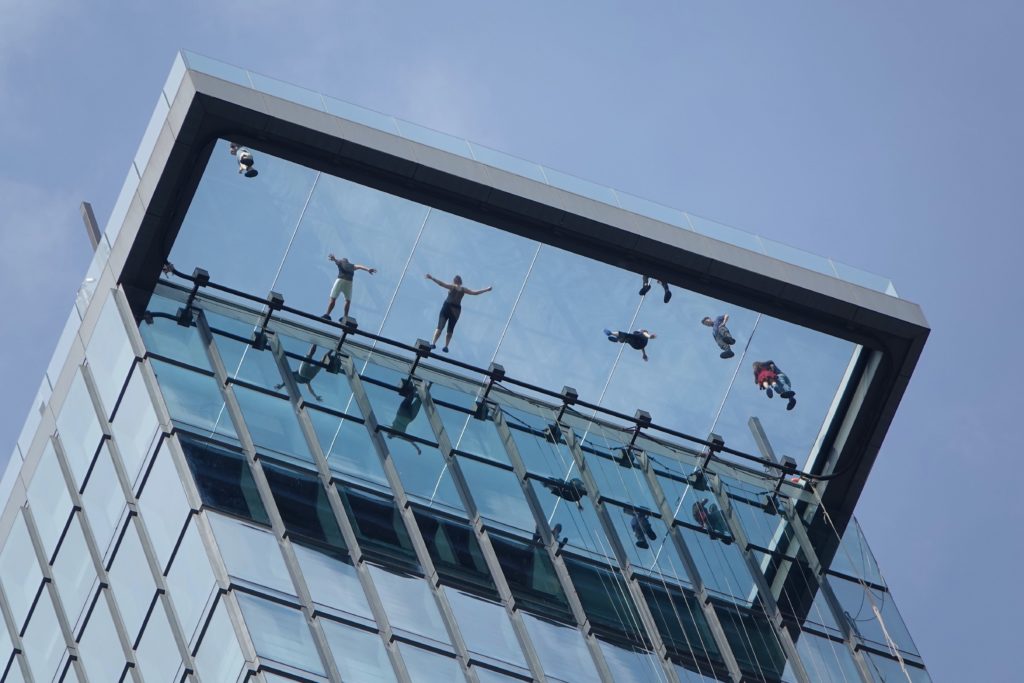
533 171
656 541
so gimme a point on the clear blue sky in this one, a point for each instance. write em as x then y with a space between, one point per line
887 135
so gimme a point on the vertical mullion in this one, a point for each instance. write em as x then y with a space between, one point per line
850 637
693 573
658 645
764 591
551 545
411 526
327 480
490 557
267 498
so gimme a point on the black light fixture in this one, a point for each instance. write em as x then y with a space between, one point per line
275 302
495 373
200 278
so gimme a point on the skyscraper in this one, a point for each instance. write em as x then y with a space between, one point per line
634 458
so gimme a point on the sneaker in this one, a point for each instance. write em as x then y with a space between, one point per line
667 297
642 543
646 288
325 316
433 346
771 393
251 173
791 404
787 394
726 354
445 349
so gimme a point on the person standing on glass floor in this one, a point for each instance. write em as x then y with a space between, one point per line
245 160
721 333
451 309
637 339
646 287
343 283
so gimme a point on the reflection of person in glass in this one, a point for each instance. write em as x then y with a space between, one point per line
407 411
721 333
641 526
573 490
245 160
343 284
647 287
636 339
451 309
308 369
711 519
770 379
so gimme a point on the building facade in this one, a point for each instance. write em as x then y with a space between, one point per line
218 484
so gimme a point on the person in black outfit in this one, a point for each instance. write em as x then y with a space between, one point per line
407 411
245 160
451 308
647 287
637 339
343 284
308 370
641 526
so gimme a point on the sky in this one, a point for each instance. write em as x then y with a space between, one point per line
877 133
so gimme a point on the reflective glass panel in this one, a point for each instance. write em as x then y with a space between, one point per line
885 670
135 425
425 666
110 354
280 633
219 658
251 553
190 580
873 614
49 499
79 428
332 580
131 580
193 400
19 571
224 480
498 495
163 505
73 571
162 334
348 448
486 628
43 640
302 502
157 654
272 423
409 604
562 650
358 654
826 660
631 666
99 646
103 499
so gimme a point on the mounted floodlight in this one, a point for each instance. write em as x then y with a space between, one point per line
788 464
275 300
200 277
496 371
422 348
349 324
643 418
569 395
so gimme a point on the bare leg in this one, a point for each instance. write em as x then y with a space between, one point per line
330 306
437 333
448 340
348 302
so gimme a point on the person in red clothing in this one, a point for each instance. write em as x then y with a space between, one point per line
770 379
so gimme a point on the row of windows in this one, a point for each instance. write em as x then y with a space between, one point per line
427 481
